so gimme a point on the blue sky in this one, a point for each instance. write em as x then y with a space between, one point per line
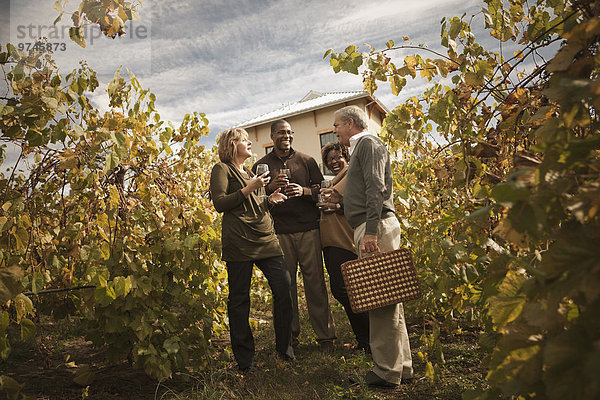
234 60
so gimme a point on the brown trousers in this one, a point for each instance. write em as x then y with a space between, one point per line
304 249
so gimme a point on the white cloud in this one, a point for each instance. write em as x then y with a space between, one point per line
235 59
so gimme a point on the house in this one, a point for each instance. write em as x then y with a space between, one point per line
311 119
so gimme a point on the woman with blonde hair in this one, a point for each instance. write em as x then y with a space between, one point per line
248 239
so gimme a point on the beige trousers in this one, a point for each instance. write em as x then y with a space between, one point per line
304 249
388 335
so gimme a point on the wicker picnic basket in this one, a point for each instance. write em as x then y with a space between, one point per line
380 280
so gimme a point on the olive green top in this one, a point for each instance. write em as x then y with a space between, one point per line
247 228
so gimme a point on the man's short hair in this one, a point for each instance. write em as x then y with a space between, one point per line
275 124
356 114
228 140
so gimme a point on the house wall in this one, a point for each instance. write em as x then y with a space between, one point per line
307 127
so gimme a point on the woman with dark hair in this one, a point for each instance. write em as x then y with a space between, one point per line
337 240
248 239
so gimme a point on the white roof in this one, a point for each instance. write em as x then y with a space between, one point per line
312 101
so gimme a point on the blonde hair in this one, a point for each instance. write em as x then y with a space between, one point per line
228 143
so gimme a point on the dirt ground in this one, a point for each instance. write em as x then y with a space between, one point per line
47 369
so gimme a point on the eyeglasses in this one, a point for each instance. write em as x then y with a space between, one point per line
284 132
335 158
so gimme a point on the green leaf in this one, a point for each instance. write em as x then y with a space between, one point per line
10 283
4 320
191 241
78 131
473 79
34 137
397 83
487 18
510 192
482 212
84 376
350 49
122 285
172 345
37 283
172 244
51 102
563 58
11 387
120 142
4 346
76 35
105 295
27 330
84 252
505 309
112 161
511 284
105 250
23 306
520 365
455 27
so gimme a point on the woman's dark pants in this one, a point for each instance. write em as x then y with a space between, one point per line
334 257
239 275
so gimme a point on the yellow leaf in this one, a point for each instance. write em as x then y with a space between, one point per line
105 250
410 61
25 221
114 196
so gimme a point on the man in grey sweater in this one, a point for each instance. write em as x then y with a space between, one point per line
369 208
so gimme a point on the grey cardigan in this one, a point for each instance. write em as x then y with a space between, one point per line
368 196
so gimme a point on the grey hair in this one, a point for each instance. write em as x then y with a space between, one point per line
356 114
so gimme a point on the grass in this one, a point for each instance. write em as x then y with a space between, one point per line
46 371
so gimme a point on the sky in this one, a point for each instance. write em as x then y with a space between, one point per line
235 59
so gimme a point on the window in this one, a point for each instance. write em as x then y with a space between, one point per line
326 138
268 149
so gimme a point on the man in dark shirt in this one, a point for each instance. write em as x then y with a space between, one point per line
297 228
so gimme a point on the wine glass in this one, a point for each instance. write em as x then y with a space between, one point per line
325 184
262 168
286 172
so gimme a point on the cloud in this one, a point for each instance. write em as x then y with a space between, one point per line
236 59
